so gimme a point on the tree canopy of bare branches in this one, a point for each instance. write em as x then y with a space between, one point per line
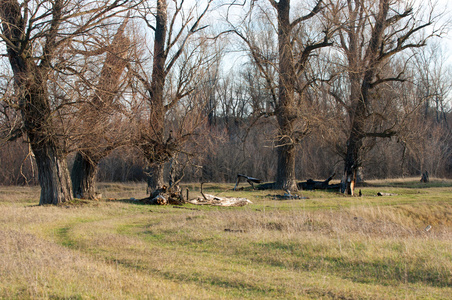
37 36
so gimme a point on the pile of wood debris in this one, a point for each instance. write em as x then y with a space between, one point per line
164 196
220 201
173 196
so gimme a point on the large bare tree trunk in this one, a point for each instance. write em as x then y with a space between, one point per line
31 89
288 91
50 158
157 115
155 177
52 170
285 176
172 31
351 163
83 175
352 160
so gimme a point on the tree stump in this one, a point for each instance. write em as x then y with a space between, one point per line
425 178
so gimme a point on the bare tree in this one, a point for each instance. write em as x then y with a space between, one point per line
179 50
36 35
372 34
294 48
427 133
99 125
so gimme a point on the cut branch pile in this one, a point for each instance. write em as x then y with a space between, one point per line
164 196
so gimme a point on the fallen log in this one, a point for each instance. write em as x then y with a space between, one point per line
306 185
287 196
220 201
318 185
267 186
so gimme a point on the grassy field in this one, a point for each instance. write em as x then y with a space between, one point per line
325 247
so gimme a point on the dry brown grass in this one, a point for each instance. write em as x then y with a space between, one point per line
325 247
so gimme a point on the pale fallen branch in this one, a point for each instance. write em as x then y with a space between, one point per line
207 199
220 201
386 194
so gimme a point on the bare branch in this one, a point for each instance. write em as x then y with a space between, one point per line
317 8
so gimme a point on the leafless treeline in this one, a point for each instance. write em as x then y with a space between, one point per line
173 90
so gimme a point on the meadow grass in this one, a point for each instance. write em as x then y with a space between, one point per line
326 246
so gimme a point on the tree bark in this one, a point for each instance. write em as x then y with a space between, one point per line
53 172
354 144
155 178
285 175
83 175
50 158
154 146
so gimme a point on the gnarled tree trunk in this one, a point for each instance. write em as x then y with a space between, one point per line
83 175
53 176
53 172
30 78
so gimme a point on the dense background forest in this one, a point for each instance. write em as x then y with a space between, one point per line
206 90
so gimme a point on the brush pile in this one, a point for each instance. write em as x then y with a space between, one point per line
164 196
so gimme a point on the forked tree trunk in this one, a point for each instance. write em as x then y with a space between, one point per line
352 160
83 175
53 173
363 70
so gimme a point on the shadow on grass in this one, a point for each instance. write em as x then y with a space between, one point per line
410 184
